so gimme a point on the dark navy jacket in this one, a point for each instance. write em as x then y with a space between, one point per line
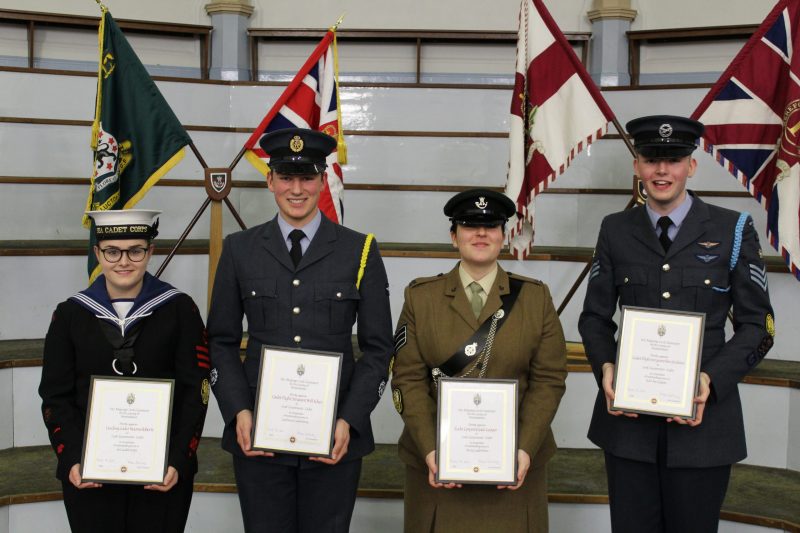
313 307
707 269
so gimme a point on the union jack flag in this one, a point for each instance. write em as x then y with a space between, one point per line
752 119
310 101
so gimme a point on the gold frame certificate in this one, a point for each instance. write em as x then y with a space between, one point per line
658 362
126 439
476 435
296 402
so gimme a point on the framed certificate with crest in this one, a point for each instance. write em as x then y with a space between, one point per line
296 401
476 436
126 438
658 362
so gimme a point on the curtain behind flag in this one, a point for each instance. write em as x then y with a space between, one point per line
136 137
556 110
310 101
752 119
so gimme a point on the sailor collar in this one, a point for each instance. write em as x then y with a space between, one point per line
153 295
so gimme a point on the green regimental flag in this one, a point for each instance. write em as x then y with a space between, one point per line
136 137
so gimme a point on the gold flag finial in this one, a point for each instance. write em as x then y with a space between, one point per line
334 27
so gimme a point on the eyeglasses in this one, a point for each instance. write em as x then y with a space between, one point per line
113 255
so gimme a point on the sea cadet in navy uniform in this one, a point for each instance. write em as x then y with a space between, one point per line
301 281
677 253
127 323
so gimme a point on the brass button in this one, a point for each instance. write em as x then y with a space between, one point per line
666 295
338 294
296 283
665 268
297 339
253 293
296 310
707 282
626 280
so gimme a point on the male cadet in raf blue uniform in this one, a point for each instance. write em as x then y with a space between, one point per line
296 279
677 253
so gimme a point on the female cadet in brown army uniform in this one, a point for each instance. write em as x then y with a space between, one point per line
437 319
126 323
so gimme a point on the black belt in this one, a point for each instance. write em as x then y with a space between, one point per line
475 344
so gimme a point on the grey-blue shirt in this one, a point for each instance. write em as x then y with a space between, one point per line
309 229
677 216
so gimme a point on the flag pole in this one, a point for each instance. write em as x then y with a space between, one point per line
632 202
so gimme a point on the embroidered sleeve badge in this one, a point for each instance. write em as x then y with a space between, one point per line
770 325
205 390
397 398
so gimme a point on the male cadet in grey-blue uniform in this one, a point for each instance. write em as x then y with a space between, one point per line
678 253
295 279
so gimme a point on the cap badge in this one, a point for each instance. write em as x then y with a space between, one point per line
296 144
665 130
481 203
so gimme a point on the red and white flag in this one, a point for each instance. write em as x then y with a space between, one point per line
752 119
310 101
556 110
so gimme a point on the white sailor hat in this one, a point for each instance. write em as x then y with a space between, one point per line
125 223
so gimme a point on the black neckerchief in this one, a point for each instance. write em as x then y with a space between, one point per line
123 346
475 344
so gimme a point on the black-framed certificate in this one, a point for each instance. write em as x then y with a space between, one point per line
476 436
658 362
298 393
127 430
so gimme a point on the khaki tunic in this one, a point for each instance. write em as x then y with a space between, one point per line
436 320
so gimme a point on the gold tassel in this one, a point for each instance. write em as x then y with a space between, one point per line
341 146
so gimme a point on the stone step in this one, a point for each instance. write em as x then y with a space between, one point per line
768 497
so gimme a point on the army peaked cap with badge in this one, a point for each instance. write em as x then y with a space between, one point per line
125 223
297 150
664 135
480 207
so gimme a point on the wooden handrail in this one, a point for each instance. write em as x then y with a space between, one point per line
417 37
388 187
32 19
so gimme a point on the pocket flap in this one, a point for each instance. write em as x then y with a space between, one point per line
259 288
703 277
630 276
336 291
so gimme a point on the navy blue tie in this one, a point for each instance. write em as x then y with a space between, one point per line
296 252
664 223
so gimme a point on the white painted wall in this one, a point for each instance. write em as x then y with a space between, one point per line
692 14
371 14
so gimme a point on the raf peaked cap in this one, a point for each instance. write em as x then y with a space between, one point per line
125 223
479 207
664 135
297 150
